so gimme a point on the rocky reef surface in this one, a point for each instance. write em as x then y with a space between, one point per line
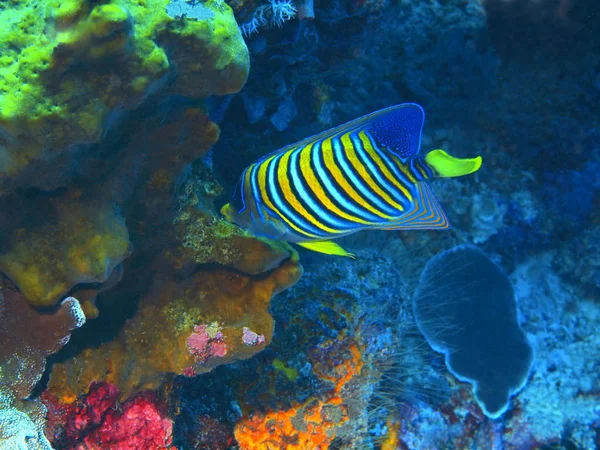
133 316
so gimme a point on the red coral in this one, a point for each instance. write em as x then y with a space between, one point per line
97 421
69 423
102 396
138 424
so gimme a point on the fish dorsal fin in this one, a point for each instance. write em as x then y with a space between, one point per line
427 213
398 128
327 247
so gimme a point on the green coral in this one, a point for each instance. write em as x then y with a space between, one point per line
65 65
290 372
207 238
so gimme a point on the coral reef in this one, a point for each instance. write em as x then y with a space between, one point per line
565 342
306 426
101 108
274 13
543 416
310 388
202 320
120 134
79 243
314 422
27 338
207 239
212 287
60 88
22 424
98 421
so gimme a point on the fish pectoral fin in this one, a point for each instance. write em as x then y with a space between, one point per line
327 247
448 166
427 214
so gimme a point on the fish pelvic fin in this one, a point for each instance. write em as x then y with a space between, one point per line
446 165
327 247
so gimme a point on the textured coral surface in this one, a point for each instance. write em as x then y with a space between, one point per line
79 243
98 421
182 327
68 69
27 338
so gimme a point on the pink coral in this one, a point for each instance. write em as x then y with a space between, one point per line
189 372
198 341
207 341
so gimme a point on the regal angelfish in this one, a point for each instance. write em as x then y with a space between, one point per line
365 174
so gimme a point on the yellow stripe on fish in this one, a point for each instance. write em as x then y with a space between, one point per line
376 158
348 147
261 180
332 164
318 188
290 197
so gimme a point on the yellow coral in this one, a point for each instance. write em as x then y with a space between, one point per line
67 10
47 262
391 439
37 285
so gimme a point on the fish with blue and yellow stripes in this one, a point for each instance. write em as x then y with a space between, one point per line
365 174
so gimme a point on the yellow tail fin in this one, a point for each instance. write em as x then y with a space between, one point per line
327 247
448 166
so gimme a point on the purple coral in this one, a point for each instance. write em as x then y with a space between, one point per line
249 337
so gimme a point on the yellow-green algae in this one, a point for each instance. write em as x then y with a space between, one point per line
66 64
290 372
207 239
83 245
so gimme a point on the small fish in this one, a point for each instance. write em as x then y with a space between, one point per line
365 174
